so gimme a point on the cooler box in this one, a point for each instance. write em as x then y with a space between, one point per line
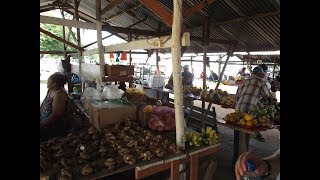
105 113
156 81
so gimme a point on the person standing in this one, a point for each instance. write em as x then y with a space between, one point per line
187 76
247 96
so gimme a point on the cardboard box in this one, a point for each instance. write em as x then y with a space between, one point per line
143 118
119 70
105 113
156 81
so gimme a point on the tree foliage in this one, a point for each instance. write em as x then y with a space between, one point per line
50 44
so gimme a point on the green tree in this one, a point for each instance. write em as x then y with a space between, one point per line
50 44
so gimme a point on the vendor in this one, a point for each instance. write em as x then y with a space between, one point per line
54 108
187 76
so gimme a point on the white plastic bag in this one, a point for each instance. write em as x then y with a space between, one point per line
90 93
112 92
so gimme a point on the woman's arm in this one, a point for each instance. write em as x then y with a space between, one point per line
58 106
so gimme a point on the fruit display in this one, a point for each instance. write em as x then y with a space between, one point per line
208 136
135 95
86 152
193 90
273 108
162 119
228 101
248 121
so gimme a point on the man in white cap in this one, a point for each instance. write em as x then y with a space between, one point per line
187 76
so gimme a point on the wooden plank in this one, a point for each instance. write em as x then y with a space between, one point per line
202 151
158 9
99 42
197 7
174 173
66 22
194 166
149 171
151 43
56 52
150 165
175 158
117 78
60 39
111 5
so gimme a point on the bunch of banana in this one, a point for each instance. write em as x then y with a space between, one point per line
209 136
193 138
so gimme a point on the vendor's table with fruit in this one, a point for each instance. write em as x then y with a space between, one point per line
190 155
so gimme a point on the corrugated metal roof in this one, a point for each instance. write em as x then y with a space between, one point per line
229 20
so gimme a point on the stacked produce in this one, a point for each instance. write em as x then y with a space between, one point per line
248 121
87 152
228 101
191 89
273 108
208 136
219 97
135 95
162 119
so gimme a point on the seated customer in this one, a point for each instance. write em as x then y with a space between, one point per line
54 108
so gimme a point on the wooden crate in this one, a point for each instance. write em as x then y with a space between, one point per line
119 70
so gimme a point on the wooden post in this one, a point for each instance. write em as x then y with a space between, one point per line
177 78
99 42
64 37
219 65
230 51
274 67
76 14
194 166
130 58
157 59
205 35
64 44
191 62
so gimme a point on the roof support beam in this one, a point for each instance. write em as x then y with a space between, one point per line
196 7
151 43
114 33
60 39
159 10
114 29
66 22
87 25
110 6
56 52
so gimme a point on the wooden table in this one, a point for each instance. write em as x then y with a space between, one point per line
191 155
242 134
